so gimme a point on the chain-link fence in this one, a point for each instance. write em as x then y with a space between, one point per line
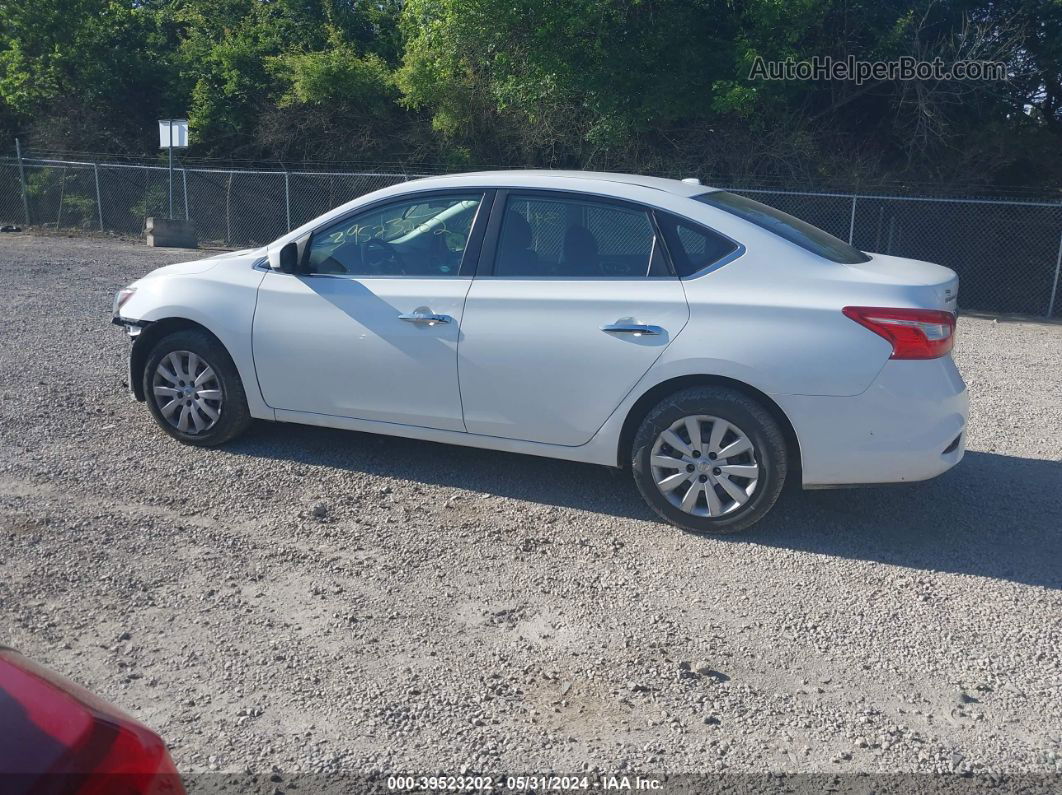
1008 254
230 207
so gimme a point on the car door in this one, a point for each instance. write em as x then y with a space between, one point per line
368 328
573 305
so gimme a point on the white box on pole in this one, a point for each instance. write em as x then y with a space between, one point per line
180 133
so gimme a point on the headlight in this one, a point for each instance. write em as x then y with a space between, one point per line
121 297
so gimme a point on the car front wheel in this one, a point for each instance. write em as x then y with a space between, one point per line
193 389
710 460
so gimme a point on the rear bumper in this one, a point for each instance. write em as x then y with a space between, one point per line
909 425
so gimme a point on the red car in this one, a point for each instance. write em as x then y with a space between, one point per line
59 739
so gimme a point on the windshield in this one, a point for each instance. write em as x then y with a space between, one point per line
785 225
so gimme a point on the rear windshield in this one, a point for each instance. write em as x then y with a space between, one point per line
785 225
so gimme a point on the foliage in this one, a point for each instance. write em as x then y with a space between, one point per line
658 85
94 69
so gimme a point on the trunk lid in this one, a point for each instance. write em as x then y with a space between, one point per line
934 286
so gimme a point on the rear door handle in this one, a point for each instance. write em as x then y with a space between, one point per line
636 329
427 318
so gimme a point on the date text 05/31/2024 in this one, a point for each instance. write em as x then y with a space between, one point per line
526 783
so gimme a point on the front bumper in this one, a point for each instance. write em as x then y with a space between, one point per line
132 329
130 325
909 425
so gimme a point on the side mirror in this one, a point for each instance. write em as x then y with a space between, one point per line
289 258
285 259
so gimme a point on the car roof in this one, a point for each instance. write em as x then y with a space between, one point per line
624 186
542 177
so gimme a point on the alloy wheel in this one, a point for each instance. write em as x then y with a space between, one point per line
187 391
705 466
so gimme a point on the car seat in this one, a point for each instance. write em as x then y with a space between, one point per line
515 256
580 254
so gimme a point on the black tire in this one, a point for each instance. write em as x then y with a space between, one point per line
734 407
234 416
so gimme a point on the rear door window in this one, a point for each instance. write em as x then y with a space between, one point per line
553 237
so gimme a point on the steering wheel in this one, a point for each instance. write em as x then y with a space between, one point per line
376 253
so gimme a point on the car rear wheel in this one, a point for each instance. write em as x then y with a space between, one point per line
710 460
193 389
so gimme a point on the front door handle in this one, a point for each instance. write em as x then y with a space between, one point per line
428 318
635 329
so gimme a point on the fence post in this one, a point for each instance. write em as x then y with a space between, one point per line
287 197
22 179
99 201
851 221
147 185
62 195
228 209
170 125
184 180
1054 289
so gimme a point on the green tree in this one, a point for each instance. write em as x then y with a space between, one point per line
253 65
638 85
567 81
85 74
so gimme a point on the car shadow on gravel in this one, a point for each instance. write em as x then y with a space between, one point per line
992 516
523 477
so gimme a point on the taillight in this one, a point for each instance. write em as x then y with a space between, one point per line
914 333
58 737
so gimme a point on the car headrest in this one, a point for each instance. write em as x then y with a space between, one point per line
516 232
579 244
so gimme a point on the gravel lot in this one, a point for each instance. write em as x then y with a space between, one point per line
305 601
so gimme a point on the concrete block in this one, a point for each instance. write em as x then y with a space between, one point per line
171 233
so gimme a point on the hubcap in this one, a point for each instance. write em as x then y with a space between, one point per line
187 392
705 466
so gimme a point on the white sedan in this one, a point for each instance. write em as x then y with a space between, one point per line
712 344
